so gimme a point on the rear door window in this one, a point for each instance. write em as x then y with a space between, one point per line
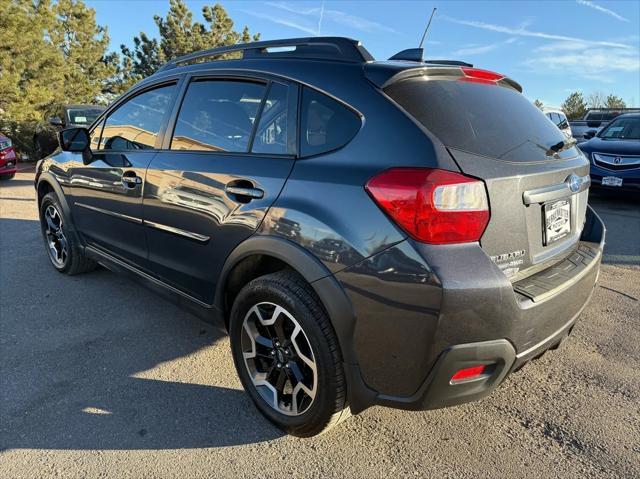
325 124
218 115
487 120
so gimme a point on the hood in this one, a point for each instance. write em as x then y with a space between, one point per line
615 147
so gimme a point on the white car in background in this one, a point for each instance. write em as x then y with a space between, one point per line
559 119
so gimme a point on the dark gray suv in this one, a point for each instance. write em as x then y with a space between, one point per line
402 233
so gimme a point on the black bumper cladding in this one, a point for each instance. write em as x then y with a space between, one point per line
579 271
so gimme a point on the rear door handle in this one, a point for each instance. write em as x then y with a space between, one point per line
252 193
130 179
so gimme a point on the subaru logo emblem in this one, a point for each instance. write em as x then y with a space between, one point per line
574 182
617 160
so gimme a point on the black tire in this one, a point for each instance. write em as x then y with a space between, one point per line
7 177
75 261
290 291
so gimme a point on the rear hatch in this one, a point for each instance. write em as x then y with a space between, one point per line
536 179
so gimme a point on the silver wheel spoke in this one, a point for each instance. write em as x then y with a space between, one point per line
279 359
56 240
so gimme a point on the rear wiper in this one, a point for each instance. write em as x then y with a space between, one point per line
562 145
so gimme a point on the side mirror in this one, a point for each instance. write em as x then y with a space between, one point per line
56 121
74 139
589 134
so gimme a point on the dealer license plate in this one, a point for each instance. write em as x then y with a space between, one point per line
611 181
557 221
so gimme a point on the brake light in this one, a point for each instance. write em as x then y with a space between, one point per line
476 75
431 205
468 374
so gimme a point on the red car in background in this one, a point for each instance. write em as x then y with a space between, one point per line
8 159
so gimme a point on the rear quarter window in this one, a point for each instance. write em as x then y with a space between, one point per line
325 124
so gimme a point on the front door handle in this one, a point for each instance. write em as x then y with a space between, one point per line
130 179
251 193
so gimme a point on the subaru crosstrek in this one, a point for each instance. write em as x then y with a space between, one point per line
402 233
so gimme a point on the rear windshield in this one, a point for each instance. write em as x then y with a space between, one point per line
487 120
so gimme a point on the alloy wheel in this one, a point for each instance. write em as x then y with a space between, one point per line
56 240
279 359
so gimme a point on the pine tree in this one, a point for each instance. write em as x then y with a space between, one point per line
614 101
50 53
574 106
180 35
538 104
83 45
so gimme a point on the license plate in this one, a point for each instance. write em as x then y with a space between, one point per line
557 221
611 181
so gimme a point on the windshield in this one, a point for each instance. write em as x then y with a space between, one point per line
622 129
83 116
488 120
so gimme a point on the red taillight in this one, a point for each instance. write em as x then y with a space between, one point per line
477 75
468 374
432 206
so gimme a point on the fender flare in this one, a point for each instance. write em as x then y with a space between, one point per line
331 294
326 286
50 179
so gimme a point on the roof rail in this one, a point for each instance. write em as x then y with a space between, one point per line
325 48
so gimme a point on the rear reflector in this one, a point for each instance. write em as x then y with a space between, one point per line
467 374
431 205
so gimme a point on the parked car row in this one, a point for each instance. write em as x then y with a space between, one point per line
594 120
610 139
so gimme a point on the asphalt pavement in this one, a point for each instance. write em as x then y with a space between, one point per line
100 377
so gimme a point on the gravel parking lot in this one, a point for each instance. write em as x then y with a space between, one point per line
100 377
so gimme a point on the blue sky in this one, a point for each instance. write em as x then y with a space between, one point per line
550 47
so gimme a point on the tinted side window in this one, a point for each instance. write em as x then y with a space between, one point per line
325 123
135 124
272 133
217 115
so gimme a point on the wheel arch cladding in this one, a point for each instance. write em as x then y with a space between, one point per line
283 253
47 184
331 294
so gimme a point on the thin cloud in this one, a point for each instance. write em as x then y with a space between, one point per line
600 8
598 64
337 16
523 32
282 21
291 9
471 50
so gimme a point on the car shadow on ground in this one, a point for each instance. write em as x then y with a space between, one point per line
75 360
620 212
16 182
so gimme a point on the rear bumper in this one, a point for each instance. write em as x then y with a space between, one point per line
438 391
410 342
